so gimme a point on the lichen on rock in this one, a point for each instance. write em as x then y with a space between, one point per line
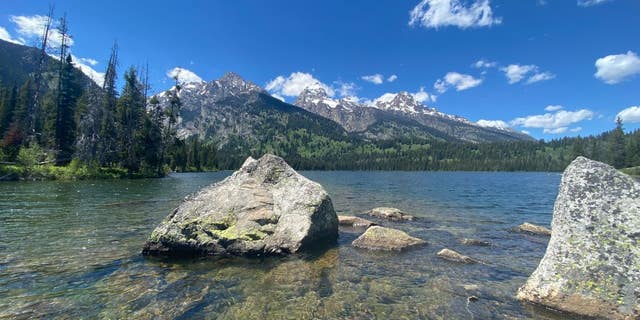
592 263
266 207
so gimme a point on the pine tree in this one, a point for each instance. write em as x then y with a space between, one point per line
7 107
65 124
108 137
129 114
617 144
88 119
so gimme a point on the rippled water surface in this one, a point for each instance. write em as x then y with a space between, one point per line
72 250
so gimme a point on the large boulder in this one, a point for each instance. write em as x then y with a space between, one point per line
592 263
266 207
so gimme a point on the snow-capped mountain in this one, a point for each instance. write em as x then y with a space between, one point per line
400 112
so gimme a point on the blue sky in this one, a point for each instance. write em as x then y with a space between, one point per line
538 54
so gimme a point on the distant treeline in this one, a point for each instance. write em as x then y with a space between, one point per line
312 152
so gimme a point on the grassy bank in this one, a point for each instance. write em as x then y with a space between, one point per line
73 171
633 171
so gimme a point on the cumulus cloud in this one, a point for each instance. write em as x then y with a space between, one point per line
543 76
295 83
554 123
516 73
423 97
457 80
183 75
493 124
392 78
616 68
589 3
4 35
374 78
89 61
32 28
482 63
630 115
455 13
552 108
346 89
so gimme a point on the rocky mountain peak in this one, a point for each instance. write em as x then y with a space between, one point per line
402 101
233 83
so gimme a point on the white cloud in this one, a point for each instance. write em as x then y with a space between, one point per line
32 27
88 61
295 83
552 108
183 75
589 3
97 77
422 96
516 73
493 124
392 78
4 35
443 13
576 129
346 89
482 63
616 68
457 80
374 78
554 123
525 132
543 76
631 114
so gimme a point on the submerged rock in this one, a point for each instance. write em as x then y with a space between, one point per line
451 255
392 214
265 207
353 221
592 263
533 229
474 242
380 238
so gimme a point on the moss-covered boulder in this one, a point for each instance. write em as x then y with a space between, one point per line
381 238
592 263
266 207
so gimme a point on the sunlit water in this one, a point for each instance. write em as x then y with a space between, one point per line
72 250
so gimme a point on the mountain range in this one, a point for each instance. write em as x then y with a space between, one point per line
233 107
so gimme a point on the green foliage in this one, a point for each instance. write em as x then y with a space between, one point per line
29 156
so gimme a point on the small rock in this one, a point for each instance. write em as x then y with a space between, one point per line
380 238
353 221
533 229
475 242
451 255
392 214
472 298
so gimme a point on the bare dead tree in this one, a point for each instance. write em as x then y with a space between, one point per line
33 108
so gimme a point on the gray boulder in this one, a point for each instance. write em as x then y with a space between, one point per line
380 238
355 222
392 214
266 207
592 263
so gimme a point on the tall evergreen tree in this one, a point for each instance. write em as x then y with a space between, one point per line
108 135
7 107
65 124
617 149
130 113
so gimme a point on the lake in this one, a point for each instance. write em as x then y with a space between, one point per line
72 250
